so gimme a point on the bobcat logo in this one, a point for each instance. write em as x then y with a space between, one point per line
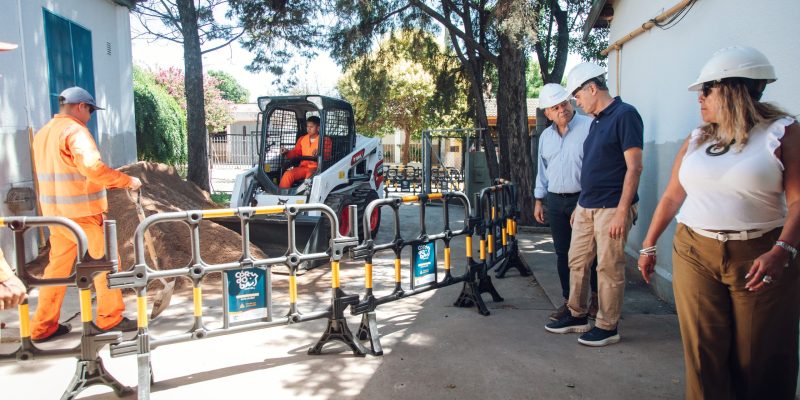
246 280
423 251
282 201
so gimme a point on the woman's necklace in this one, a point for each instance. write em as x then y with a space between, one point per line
717 150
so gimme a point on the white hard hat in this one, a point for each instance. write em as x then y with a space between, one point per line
581 73
552 94
735 62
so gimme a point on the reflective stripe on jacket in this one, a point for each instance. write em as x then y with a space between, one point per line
72 177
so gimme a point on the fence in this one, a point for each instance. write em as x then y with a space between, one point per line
494 221
234 150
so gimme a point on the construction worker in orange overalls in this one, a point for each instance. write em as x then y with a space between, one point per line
306 146
12 291
72 183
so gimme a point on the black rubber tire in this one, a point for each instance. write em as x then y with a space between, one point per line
364 197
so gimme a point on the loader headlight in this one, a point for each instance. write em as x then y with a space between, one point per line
262 103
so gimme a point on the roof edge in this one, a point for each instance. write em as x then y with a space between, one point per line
594 14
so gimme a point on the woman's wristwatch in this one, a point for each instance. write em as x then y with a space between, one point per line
789 249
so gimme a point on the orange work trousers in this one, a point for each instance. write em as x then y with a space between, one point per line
63 252
295 174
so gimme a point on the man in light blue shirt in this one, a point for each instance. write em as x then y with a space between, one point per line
558 180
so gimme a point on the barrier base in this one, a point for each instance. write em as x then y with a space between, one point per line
90 373
513 261
368 329
338 330
471 296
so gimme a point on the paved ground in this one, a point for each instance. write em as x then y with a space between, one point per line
432 349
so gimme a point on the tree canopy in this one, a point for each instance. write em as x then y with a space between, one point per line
229 87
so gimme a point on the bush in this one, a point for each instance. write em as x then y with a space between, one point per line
160 121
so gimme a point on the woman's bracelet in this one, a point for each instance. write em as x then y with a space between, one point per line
789 249
648 251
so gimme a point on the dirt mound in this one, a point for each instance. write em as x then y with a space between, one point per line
163 190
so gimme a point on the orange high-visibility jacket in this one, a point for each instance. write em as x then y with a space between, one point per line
72 177
304 147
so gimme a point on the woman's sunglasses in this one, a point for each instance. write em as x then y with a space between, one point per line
707 86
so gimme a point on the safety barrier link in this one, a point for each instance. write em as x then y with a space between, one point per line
142 273
89 370
498 212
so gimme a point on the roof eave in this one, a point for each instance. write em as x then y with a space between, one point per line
127 3
594 15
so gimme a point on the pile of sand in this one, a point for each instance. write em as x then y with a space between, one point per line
163 190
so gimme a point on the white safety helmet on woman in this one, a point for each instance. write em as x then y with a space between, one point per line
551 95
735 62
581 73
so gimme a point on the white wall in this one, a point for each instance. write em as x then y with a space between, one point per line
655 68
24 88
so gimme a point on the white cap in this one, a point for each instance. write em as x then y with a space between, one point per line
581 73
552 94
735 62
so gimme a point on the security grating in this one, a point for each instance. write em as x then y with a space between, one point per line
283 130
337 130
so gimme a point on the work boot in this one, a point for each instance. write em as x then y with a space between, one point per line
62 330
593 307
124 325
559 313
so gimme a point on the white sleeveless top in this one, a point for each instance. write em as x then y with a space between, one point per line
738 190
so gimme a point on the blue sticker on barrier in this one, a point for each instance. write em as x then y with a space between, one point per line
247 294
423 265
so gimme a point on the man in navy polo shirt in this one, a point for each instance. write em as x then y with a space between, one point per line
612 165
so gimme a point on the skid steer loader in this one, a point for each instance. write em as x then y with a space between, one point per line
349 172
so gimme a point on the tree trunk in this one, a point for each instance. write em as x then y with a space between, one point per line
197 135
406 158
512 121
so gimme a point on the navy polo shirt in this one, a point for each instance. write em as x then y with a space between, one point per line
617 128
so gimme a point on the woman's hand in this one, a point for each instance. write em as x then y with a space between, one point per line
647 265
766 269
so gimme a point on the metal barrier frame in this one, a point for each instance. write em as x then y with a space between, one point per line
89 370
498 211
470 295
141 274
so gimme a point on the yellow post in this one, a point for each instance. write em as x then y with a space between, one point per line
335 274
86 305
483 250
491 243
141 311
469 246
24 321
397 270
494 212
198 301
292 289
505 239
368 275
447 258
226 212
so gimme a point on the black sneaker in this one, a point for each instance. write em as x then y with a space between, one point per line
569 324
598 337
62 330
559 313
124 325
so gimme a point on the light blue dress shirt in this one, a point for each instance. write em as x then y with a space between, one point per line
560 158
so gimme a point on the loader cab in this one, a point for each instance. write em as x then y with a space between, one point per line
282 121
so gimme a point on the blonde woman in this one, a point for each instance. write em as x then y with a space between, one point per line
736 275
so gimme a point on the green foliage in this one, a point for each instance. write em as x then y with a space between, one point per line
533 80
409 83
160 121
222 199
231 89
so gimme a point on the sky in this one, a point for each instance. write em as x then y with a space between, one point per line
318 76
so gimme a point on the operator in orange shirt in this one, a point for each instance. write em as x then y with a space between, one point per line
72 183
307 146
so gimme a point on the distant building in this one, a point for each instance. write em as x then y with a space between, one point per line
237 146
491 114
653 70
61 44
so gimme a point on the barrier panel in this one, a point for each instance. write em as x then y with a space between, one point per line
496 208
409 179
139 276
89 370
423 270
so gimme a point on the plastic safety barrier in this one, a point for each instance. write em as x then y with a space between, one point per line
497 211
409 179
141 274
89 370
424 270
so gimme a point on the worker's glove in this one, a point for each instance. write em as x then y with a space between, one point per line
136 183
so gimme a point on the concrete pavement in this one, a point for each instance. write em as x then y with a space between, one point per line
432 349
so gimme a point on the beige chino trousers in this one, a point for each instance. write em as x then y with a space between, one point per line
589 239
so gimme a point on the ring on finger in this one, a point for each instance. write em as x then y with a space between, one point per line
767 279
